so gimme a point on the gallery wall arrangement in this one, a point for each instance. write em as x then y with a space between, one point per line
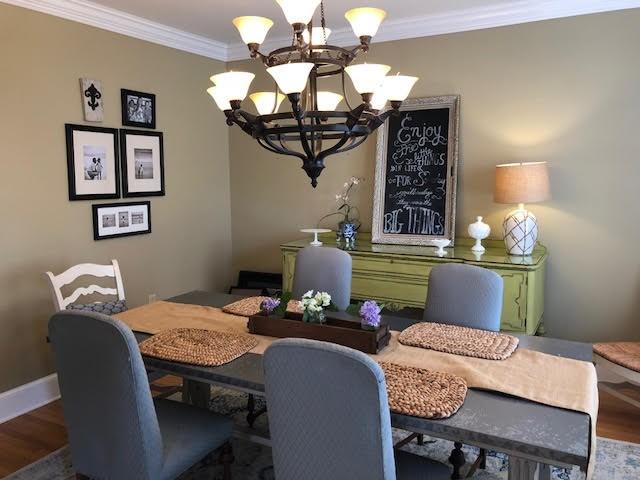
103 162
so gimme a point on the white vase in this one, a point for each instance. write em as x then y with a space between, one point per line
479 230
520 231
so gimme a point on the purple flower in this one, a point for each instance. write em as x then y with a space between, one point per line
370 313
268 305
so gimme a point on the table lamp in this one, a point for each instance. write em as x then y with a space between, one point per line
521 183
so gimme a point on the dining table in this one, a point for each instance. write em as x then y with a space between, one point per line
533 435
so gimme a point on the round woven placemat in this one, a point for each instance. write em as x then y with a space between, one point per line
423 393
197 347
248 307
469 342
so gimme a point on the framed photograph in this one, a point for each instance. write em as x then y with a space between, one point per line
93 167
416 170
142 156
112 220
138 109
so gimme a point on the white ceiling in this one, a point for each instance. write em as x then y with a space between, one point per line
204 26
212 18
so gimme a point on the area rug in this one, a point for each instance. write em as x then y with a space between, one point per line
615 460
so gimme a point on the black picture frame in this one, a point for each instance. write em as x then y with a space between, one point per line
125 171
71 162
95 209
124 101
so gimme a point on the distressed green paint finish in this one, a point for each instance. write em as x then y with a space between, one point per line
400 274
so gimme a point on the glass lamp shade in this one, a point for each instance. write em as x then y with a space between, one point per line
379 99
218 95
367 77
365 21
264 102
398 87
291 77
317 36
328 101
298 11
253 29
234 85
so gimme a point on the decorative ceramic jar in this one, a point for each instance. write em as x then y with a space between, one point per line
348 232
479 230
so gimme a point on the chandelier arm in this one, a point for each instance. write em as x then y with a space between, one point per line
344 92
354 144
354 115
334 148
283 151
299 116
232 118
377 120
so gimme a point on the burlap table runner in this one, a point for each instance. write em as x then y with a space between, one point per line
539 377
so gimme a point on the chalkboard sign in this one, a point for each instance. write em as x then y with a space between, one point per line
416 164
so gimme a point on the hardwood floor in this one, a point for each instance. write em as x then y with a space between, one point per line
29 437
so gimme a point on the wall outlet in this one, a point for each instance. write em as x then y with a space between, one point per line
153 297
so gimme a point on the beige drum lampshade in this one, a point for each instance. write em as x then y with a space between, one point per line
522 183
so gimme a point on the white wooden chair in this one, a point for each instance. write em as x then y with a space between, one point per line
618 362
73 273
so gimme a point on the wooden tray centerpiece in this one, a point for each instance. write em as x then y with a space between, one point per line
336 329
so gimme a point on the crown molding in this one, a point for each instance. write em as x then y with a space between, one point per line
117 21
461 20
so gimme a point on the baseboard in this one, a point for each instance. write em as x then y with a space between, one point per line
28 397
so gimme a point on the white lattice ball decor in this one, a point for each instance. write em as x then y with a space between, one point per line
520 232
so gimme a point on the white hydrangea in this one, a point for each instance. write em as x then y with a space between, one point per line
315 302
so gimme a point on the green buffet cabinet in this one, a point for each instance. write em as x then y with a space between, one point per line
400 274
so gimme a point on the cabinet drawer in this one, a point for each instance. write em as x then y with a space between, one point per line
400 289
418 269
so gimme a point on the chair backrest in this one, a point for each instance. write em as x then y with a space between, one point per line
110 417
69 276
328 412
464 295
326 270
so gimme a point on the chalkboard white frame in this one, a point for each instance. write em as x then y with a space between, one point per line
452 102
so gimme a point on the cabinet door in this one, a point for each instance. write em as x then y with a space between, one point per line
288 268
514 306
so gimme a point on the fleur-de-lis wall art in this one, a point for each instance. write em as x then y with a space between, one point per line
91 91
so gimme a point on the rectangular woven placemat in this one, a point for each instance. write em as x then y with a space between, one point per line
248 307
469 342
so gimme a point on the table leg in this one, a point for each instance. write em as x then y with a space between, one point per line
196 393
544 472
457 460
521 469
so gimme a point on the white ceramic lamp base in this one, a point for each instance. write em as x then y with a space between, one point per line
520 231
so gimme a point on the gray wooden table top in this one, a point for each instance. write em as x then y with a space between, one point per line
491 420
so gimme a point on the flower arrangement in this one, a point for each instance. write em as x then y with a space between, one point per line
313 305
269 305
348 227
370 315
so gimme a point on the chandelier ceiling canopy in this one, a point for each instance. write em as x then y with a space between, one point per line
313 124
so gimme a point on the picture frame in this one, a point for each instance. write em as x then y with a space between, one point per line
142 157
93 164
114 220
416 173
138 109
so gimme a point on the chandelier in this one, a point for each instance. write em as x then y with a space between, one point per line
314 128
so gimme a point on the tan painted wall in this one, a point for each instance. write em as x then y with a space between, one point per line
42 59
565 91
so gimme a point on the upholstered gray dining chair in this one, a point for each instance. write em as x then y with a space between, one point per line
323 269
467 296
116 430
329 416
464 295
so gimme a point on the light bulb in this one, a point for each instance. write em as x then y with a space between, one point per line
366 77
298 11
291 77
235 84
318 37
328 101
365 21
220 97
398 87
264 102
379 99
253 30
